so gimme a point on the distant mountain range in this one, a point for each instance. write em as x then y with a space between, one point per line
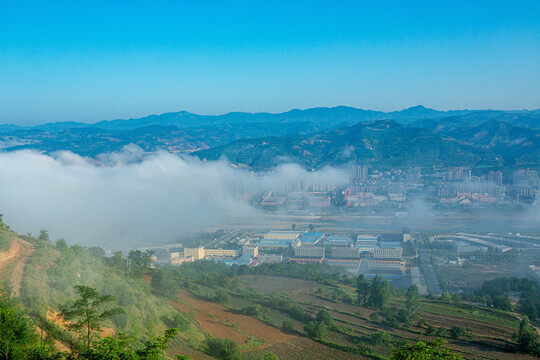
313 137
383 142
322 117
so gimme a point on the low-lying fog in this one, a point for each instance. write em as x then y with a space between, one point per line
125 200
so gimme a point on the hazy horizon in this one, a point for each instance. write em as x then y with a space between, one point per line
90 62
95 121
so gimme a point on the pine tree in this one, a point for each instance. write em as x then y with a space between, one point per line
86 315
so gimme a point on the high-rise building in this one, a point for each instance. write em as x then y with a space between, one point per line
495 177
359 174
458 174
414 175
525 178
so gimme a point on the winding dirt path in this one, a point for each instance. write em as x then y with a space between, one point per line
18 271
6 257
19 253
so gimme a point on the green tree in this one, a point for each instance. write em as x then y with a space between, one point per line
17 333
374 317
61 245
380 294
316 330
43 235
446 296
430 330
527 338
363 288
96 252
501 302
434 350
86 314
456 332
253 310
139 262
413 300
440 332
178 321
123 347
325 318
117 261
288 325
223 349
222 296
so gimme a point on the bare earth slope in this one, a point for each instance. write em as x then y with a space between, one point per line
18 254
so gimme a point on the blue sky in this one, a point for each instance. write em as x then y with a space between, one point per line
95 60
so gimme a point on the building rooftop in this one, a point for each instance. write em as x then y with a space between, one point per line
286 232
365 244
313 234
336 242
273 243
233 247
366 237
338 238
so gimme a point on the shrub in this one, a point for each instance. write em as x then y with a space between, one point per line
288 325
374 317
316 330
223 349
456 332
253 310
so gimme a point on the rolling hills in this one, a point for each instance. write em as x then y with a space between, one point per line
386 143
513 143
313 137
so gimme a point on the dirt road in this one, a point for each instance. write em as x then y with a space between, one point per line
18 271
18 254
6 257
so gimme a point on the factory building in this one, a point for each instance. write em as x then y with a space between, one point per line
274 244
345 252
221 253
197 253
252 250
311 238
270 258
337 240
388 253
309 251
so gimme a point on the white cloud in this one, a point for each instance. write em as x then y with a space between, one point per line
124 200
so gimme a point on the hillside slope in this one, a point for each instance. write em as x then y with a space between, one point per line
386 143
513 143
53 271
